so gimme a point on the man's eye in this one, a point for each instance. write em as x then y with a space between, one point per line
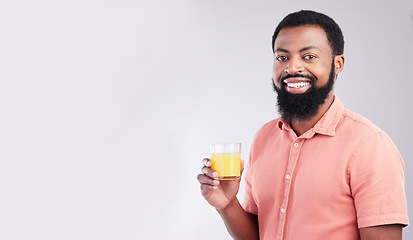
309 57
281 58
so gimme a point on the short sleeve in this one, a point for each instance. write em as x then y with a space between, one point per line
376 176
249 204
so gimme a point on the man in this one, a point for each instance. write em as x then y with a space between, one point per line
320 171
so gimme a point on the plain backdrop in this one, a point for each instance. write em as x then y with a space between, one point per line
108 107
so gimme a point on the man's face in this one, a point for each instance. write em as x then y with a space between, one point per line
304 71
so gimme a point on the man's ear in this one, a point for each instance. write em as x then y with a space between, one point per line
338 63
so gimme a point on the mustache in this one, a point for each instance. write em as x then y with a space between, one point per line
298 75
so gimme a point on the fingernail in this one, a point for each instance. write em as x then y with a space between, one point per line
214 187
215 175
216 182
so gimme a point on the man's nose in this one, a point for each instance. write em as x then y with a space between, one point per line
295 66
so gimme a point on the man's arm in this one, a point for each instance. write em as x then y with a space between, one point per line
382 232
240 224
222 195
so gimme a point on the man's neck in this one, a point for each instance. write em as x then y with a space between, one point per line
302 126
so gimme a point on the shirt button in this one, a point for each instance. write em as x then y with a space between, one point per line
295 144
288 177
283 210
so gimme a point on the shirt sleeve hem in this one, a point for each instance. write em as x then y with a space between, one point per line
250 208
383 220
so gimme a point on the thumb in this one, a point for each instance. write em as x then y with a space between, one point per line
242 166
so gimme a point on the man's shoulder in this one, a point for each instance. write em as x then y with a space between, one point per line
270 126
356 122
269 130
266 135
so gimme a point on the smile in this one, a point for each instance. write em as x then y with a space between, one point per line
298 84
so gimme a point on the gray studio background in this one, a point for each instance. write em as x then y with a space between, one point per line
108 107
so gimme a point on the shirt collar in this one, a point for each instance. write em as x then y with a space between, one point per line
326 125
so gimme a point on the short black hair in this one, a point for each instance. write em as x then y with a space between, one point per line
307 17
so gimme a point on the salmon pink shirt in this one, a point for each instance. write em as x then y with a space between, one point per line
341 175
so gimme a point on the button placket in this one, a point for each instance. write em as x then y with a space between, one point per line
292 162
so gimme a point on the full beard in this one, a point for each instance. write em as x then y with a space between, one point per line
303 106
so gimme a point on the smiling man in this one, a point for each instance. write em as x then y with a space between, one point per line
319 171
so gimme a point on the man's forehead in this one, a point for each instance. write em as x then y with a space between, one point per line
308 36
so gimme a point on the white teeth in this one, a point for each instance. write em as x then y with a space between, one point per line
298 84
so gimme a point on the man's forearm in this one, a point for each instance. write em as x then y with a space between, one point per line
385 232
240 224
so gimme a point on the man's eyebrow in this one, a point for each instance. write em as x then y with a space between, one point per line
301 50
281 50
308 48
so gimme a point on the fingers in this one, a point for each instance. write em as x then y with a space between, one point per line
207 178
207 183
207 170
206 162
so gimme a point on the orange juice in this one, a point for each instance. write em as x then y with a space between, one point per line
227 165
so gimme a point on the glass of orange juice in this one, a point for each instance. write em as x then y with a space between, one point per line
226 160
